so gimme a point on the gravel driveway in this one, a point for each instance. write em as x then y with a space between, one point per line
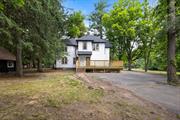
149 86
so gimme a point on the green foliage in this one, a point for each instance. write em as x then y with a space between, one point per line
75 25
122 24
96 16
37 24
138 33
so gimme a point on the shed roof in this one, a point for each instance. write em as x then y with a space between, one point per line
84 52
108 45
6 55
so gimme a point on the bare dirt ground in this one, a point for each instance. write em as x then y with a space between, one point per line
69 96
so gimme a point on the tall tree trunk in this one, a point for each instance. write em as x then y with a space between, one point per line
129 61
101 33
147 57
39 65
101 28
33 64
171 45
145 62
19 68
146 66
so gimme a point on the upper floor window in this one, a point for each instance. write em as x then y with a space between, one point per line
84 46
64 60
95 47
65 48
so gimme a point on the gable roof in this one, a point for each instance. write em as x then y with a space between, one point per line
94 39
6 55
91 38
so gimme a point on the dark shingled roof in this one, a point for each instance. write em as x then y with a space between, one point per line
71 42
94 39
84 52
6 55
91 38
108 45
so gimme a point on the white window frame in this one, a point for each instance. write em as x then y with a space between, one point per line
95 46
64 61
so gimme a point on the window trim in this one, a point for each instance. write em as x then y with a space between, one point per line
64 61
95 46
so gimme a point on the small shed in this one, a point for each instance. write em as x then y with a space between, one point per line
7 61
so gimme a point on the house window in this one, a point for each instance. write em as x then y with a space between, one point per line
10 64
95 47
64 60
74 61
84 46
65 49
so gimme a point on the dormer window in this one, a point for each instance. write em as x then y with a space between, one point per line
84 46
95 47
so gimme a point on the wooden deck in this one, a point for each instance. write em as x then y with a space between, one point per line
99 66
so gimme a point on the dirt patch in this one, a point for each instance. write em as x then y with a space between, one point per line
123 104
70 96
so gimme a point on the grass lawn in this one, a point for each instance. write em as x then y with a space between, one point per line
155 71
30 97
62 96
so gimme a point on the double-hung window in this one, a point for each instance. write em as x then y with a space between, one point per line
95 47
84 45
64 60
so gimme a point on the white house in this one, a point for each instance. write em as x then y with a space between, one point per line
88 50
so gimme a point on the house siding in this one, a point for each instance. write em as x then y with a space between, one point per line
98 57
70 55
80 46
101 54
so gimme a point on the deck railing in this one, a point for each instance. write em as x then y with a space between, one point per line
100 64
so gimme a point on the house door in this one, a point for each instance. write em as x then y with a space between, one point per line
87 61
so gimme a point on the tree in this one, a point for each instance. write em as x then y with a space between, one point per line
34 30
148 29
96 16
75 25
171 45
11 29
123 22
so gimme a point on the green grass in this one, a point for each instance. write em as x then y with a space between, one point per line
154 71
51 90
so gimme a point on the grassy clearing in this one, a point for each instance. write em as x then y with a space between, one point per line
52 90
